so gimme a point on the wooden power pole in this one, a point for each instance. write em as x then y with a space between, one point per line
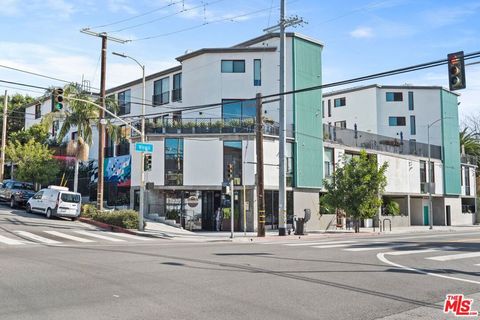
4 136
260 186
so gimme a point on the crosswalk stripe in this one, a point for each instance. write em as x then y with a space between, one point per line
317 243
456 256
67 236
130 236
36 237
10 241
332 246
99 236
376 247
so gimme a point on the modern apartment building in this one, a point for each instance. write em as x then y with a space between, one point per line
201 117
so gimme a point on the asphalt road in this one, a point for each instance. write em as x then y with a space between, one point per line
84 274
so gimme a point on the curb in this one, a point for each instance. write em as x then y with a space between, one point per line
106 226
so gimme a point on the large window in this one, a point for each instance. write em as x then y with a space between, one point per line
340 102
177 87
173 162
232 154
239 110
341 124
161 90
328 162
233 66
394 96
396 121
38 111
413 126
124 102
411 105
423 176
257 72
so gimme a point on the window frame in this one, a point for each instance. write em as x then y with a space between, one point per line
257 70
162 97
177 91
342 102
124 106
411 101
390 123
413 126
393 96
235 63
38 110
180 163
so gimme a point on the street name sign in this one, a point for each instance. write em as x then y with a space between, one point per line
143 147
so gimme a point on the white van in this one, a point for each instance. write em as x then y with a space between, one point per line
56 201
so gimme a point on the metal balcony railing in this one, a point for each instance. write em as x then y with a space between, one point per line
361 139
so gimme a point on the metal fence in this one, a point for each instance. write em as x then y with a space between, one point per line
361 139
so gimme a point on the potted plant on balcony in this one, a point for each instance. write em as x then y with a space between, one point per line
201 127
217 126
170 127
235 125
157 127
248 125
188 127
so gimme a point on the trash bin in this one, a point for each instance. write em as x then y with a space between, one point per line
299 226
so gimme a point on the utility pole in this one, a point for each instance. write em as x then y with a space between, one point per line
260 186
101 127
282 182
4 136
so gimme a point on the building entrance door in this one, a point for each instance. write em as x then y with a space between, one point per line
426 222
449 217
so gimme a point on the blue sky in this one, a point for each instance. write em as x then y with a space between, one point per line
360 37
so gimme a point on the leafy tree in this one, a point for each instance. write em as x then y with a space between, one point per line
80 115
356 187
392 208
34 161
37 132
16 111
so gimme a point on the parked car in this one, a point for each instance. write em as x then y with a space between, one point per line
56 201
16 192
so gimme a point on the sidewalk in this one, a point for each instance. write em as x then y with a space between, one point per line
161 230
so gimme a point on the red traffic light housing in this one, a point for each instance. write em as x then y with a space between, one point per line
456 71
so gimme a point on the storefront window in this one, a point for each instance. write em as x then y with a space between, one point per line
232 154
173 162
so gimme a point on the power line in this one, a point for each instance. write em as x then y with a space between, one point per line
203 24
328 85
136 16
34 73
166 16
24 85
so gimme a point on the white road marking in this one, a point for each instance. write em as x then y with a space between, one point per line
377 247
10 241
130 236
36 237
405 252
332 246
67 236
317 243
99 236
381 257
456 256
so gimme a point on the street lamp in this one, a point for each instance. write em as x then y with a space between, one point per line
142 137
430 205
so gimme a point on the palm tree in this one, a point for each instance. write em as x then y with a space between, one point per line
82 116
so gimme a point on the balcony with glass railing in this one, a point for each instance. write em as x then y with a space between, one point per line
366 140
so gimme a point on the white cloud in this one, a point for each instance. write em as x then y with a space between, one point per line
61 8
9 7
121 6
444 16
362 32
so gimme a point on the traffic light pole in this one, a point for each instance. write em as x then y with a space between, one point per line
101 125
232 213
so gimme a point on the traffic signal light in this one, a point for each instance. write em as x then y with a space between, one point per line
456 71
147 162
230 171
57 99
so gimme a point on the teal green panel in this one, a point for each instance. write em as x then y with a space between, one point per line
451 144
307 114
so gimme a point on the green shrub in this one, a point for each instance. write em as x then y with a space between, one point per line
392 208
127 219
88 210
172 215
